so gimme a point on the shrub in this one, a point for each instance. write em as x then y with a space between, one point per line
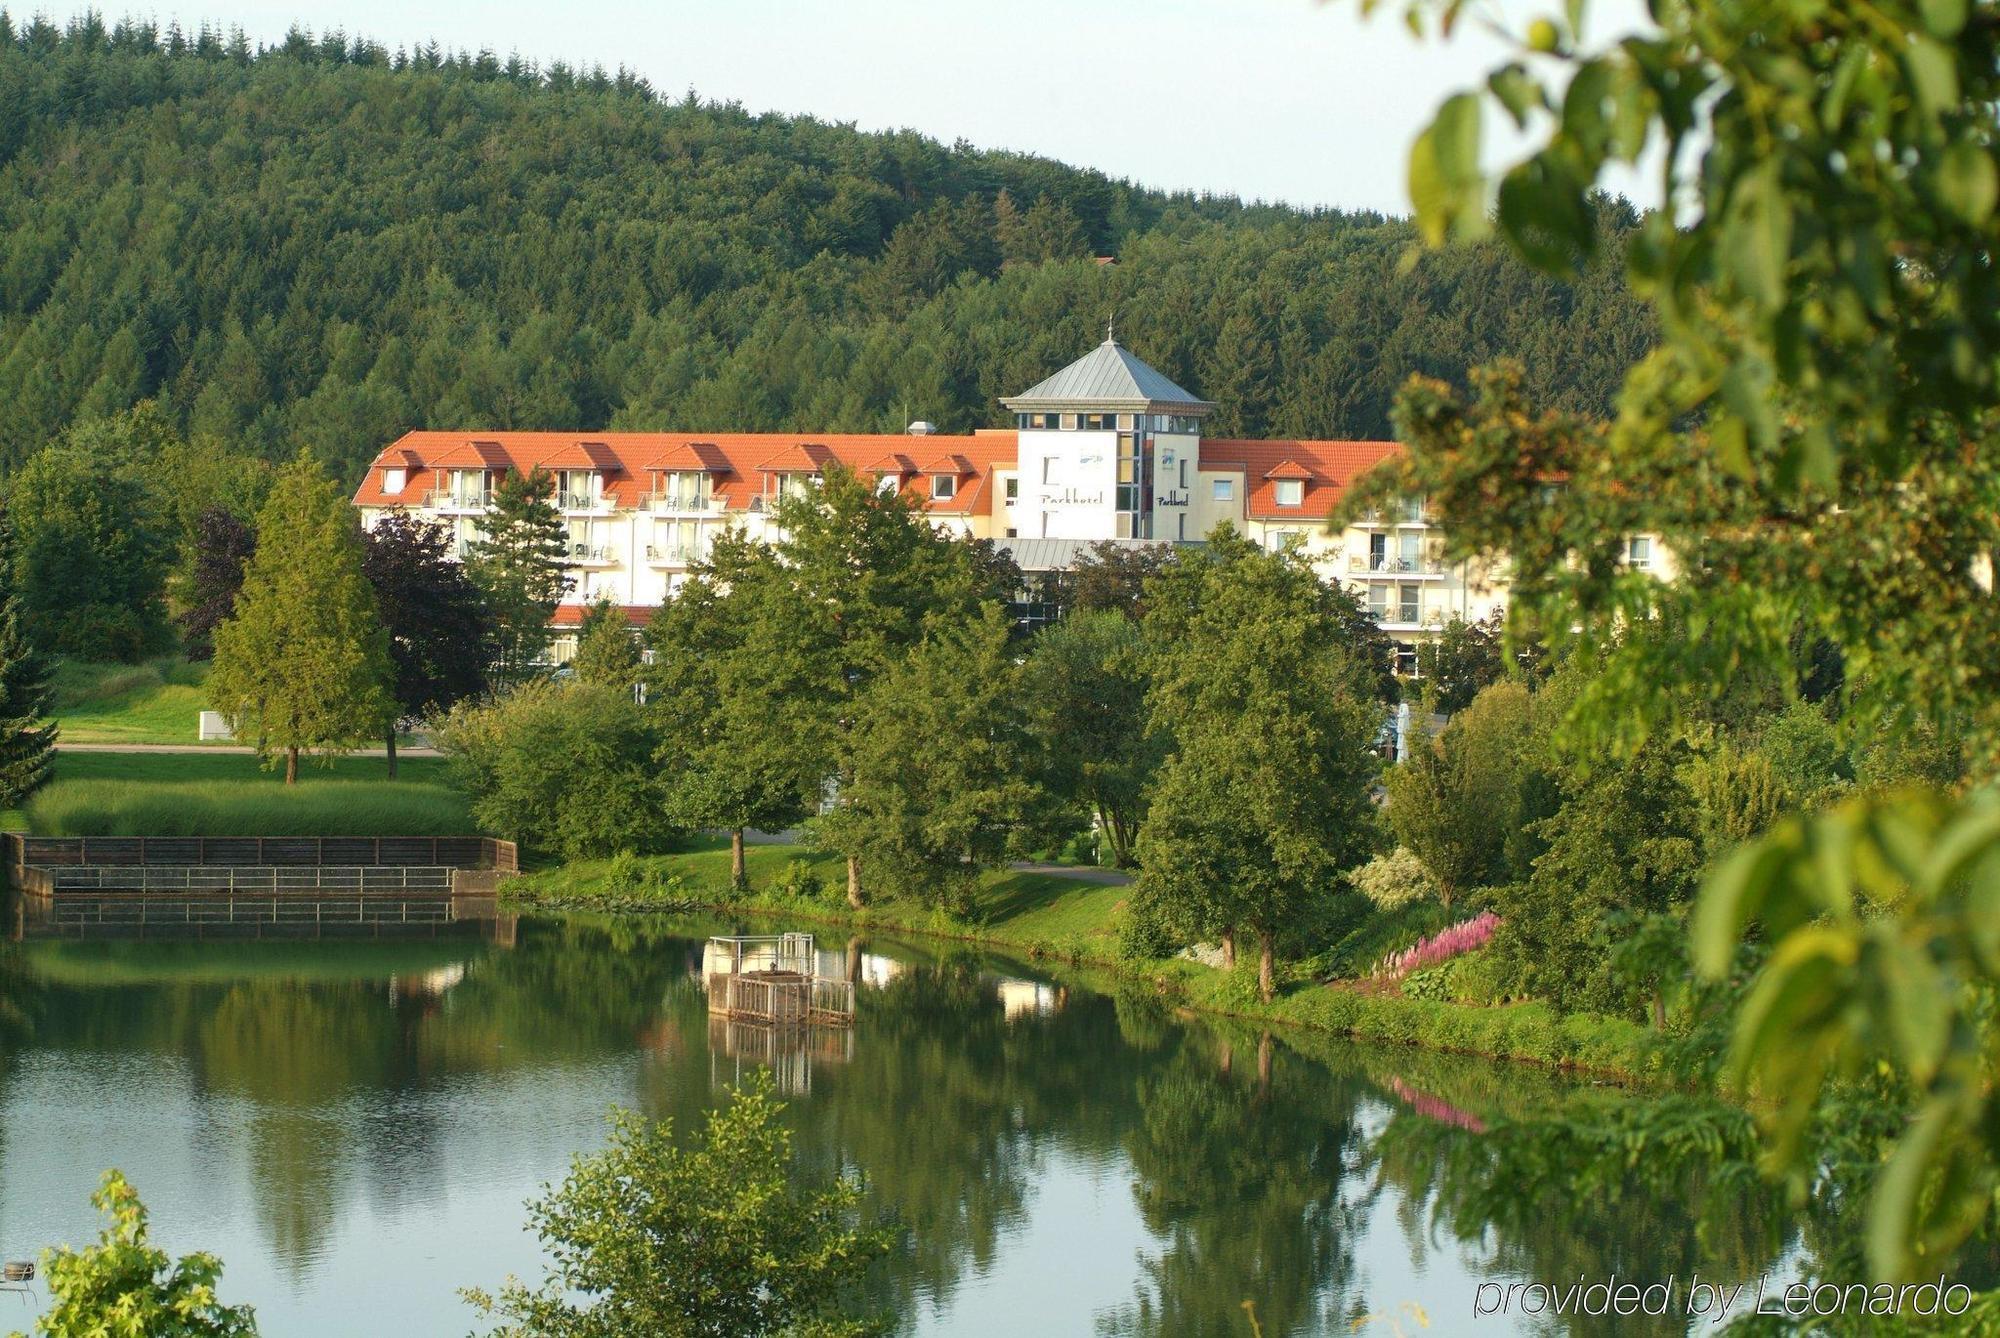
802 883
564 767
1394 880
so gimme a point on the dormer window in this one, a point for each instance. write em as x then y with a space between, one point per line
394 480
944 487
887 485
1289 492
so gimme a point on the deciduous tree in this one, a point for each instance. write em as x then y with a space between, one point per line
1084 695
440 634
222 545
606 651
1265 800
708 1236
90 558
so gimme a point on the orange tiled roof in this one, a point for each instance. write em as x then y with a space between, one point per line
736 461
895 462
1326 468
571 615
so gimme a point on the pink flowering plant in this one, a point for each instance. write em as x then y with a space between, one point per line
1452 941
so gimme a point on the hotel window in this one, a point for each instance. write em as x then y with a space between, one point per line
1069 422
1406 603
1639 553
686 492
1378 602
944 487
1290 492
1411 510
1126 422
1222 490
1409 552
393 480
1406 659
1014 489
887 485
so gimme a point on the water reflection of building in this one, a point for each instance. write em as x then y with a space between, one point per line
431 984
789 1052
1030 998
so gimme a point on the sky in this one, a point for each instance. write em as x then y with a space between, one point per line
1301 101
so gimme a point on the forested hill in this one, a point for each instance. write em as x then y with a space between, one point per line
324 243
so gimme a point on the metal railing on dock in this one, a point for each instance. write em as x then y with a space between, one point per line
772 979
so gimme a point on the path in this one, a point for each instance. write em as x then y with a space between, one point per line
224 748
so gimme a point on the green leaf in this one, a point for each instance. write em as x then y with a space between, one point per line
1446 188
1729 901
1943 19
1544 212
1756 240
1518 91
1912 996
1933 74
1967 182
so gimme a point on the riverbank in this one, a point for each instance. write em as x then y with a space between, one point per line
1047 914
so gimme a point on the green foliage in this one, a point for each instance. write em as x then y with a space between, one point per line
1084 693
1830 323
1458 798
1737 796
564 767
606 652
1393 881
1264 802
1623 844
937 764
27 691
440 635
709 1235
1807 757
803 884
1884 913
519 563
261 807
302 664
126 1287
89 558
1460 660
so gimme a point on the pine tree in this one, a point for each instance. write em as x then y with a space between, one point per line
27 738
304 655
519 566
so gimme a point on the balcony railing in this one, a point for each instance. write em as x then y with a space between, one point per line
671 555
683 504
589 553
581 501
445 499
1395 564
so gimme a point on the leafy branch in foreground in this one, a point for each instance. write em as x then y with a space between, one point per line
705 1236
1811 440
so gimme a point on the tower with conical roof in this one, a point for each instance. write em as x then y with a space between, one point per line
1110 449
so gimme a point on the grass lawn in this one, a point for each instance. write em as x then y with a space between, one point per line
228 794
159 701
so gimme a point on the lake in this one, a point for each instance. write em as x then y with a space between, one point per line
355 1127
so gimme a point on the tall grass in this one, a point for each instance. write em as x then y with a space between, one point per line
248 808
79 683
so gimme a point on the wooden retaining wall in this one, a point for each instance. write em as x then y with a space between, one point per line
456 852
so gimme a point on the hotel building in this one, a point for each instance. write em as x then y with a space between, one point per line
1108 448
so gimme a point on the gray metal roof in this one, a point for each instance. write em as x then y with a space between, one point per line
1108 377
1061 554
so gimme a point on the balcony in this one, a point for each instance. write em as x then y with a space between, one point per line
450 500
683 504
582 501
591 555
671 555
1396 615
1391 564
